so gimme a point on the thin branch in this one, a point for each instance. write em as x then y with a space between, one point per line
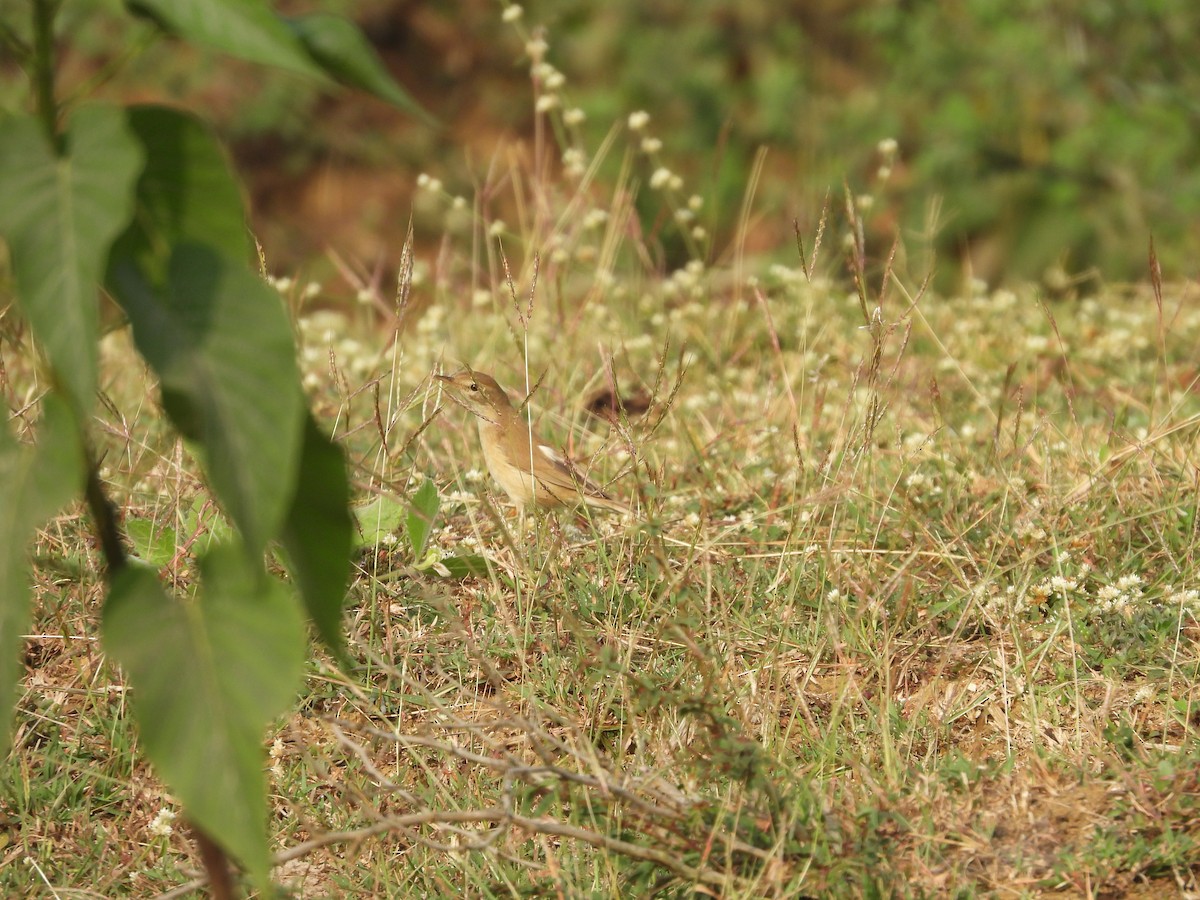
491 816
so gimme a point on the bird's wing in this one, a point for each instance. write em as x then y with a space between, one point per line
558 476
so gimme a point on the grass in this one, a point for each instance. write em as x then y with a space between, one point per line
910 608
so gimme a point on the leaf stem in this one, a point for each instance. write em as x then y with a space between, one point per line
216 866
104 515
42 76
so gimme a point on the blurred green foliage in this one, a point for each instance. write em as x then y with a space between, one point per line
1059 134
1038 139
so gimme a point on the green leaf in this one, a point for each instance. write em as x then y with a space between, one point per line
318 534
152 542
248 29
460 567
421 515
208 675
187 192
219 341
377 520
203 526
35 482
339 47
59 216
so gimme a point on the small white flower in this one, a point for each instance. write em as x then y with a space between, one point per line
661 178
497 228
574 116
887 147
638 120
160 825
651 145
1189 599
536 49
595 218
1060 584
547 102
573 161
1037 343
512 13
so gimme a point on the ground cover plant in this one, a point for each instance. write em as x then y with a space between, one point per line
909 607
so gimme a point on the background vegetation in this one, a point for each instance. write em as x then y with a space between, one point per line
1035 139
912 604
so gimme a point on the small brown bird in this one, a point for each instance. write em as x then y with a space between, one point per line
530 473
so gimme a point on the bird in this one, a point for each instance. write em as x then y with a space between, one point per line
530 472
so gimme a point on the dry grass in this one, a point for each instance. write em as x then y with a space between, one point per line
930 626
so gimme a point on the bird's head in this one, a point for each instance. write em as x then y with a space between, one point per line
478 394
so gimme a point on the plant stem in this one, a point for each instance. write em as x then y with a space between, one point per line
216 866
104 515
44 12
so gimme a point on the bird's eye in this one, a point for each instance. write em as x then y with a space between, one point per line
474 386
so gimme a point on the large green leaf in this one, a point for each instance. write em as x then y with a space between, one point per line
35 481
378 521
318 534
208 675
219 340
248 29
153 542
421 515
339 47
187 191
59 215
